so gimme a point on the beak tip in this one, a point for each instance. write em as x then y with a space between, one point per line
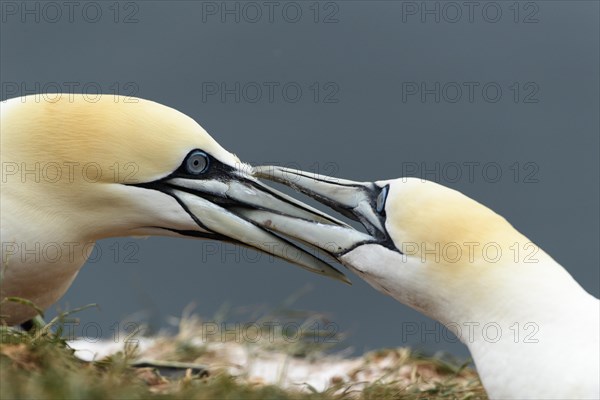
339 276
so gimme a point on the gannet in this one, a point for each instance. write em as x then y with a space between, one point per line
532 330
75 171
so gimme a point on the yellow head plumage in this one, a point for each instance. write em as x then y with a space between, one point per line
63 160
433 222
102 135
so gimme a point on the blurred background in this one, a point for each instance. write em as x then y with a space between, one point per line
499 100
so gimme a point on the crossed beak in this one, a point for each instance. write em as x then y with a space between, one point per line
360 201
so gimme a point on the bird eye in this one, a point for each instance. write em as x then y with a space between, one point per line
197 162
380 205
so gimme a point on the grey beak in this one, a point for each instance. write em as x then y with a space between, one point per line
218 206
356 200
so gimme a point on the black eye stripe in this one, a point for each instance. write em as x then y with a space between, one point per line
214 169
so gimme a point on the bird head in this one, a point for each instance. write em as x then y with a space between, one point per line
428 246
76 170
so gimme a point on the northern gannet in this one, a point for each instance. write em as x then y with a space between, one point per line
532 330
75 171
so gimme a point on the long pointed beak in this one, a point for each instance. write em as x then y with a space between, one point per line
356 200
217 205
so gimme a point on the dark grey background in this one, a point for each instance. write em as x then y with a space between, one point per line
368 52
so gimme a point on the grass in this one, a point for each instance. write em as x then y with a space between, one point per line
43 366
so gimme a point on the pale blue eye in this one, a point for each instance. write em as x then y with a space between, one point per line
197 162
380 205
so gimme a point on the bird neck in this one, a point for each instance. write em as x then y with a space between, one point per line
509 300
472 295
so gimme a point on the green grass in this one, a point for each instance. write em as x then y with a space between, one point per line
42 366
